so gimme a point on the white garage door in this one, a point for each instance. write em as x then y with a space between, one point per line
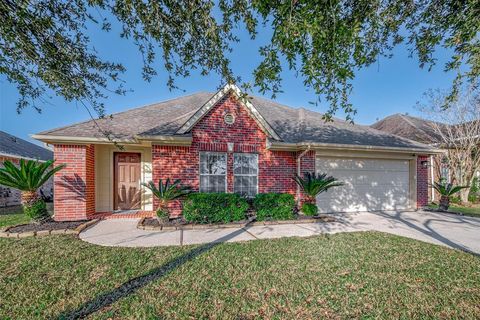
370 184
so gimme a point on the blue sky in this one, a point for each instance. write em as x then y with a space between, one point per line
387 87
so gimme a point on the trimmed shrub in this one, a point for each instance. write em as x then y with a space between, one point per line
162 214
214 207
309 209
37 211
274 206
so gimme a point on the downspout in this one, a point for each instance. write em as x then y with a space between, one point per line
432 179
299 158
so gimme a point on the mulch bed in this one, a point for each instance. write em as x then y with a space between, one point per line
50 225
180 223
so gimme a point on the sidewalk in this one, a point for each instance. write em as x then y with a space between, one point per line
123 232
458 232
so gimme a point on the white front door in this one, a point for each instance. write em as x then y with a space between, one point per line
370 184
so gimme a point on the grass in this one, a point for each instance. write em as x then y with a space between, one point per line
11 216
349 275
473 211
11 219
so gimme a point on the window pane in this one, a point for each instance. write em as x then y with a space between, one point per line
216 164
245 164
213 169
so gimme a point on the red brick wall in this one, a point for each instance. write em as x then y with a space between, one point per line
74 186
307 164
211 133
423 177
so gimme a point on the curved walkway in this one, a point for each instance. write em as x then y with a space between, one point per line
454 231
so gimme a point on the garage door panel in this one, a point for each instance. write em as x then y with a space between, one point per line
370 184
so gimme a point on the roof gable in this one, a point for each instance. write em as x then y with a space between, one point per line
228 89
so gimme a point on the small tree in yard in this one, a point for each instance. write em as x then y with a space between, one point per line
166 193
312 185
446 191
28 178
457 126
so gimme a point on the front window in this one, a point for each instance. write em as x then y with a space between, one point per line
245 171
213 172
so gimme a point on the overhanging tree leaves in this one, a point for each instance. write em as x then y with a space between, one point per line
45 47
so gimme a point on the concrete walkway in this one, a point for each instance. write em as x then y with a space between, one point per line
444 229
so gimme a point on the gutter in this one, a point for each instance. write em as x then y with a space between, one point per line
159 139
15 156
286 146
299 159
70 139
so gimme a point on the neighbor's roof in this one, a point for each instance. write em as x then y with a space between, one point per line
16 147
293 125
409 127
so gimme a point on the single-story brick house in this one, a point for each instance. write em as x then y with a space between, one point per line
226 142
14 149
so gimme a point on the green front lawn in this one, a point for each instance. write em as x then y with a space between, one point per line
11 219
350 275
11 216
473 211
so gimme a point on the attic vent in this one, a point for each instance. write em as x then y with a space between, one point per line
229 118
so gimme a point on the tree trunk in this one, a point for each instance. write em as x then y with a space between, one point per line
464 195
29 197
444 203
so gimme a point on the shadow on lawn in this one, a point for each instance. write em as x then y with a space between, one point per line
430 230
131 286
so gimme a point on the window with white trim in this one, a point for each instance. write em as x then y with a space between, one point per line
213 172
245 172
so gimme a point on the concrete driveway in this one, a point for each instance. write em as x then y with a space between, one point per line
453 231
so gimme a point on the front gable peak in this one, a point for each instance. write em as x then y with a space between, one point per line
228 89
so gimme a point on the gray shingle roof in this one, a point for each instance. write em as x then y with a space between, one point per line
291 124
17 147
409 127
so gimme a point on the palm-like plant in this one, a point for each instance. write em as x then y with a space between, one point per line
446 191
28 177
167 192
313 184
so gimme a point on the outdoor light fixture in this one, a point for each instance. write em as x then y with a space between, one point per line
424 164
230 146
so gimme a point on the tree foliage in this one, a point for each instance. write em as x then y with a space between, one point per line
458 130
45 48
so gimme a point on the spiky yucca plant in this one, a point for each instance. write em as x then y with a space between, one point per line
446 191
313 184
167 192
28 177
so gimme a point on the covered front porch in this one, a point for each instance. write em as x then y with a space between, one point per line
102 181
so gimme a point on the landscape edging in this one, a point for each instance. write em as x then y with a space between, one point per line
227 225
16 235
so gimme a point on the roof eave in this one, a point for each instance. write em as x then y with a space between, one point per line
79 140
287 146
154 139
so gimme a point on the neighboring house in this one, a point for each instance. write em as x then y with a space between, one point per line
13 148
409 127
223 142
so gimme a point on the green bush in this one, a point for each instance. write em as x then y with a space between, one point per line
274 206
37 211
162 214
309 209
214 207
